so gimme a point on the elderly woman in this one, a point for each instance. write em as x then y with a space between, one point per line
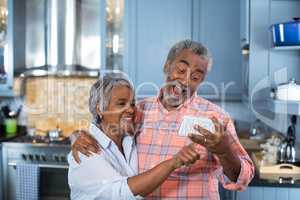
112 174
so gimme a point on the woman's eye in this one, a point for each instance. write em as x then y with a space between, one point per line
121 103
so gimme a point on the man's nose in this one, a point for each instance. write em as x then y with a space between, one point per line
185 80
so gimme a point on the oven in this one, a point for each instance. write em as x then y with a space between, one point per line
52 163
1 175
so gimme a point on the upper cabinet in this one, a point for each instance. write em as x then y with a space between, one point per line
6 63
152 27
244 22
218 24
268 67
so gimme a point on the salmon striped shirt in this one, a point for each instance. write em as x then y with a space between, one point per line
158 140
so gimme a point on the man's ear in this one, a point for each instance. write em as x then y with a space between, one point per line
167 69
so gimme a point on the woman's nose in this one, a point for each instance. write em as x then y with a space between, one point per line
130 109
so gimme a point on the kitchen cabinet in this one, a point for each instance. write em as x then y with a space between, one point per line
152 27
1 175
266 193
6 62
267 66
244 22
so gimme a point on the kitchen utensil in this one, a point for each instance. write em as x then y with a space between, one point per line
288 91
55 134
286 34
287 151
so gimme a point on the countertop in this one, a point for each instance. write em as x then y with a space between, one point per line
257 182
253 146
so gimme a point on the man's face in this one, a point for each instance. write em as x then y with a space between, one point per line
186 72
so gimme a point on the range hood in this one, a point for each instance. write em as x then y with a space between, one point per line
62 37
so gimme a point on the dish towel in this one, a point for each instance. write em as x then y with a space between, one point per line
28 176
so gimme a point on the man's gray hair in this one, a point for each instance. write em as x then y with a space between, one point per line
195 47
100 93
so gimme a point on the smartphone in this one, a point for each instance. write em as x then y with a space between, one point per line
188 123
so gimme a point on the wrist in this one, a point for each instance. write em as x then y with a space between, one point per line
224 154
175 163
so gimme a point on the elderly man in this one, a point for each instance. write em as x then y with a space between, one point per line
222 158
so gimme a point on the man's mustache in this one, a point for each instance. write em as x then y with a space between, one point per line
184 89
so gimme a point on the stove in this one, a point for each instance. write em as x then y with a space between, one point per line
51 158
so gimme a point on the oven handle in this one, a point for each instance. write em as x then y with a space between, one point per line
43 166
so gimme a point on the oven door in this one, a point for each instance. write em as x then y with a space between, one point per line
53 182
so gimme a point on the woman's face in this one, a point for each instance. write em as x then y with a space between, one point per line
119 116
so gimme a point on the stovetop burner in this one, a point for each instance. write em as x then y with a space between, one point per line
42 140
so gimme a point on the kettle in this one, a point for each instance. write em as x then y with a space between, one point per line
287 151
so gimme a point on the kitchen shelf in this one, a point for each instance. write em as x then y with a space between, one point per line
280 48
283 107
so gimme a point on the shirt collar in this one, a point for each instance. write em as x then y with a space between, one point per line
103 139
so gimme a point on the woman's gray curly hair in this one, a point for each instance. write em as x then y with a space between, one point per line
195 47
100 93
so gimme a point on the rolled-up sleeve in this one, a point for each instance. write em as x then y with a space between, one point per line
247 168
95 179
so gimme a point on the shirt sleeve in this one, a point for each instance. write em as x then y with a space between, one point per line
96 179
247 167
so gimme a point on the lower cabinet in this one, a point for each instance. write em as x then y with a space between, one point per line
1 175
267 193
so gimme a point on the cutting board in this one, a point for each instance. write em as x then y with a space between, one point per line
276 172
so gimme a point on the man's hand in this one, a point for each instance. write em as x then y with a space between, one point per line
218 143
186 156
215 142
84 144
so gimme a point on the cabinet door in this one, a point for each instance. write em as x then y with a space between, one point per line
1 176
266 193
219 30
6 51
151 28
244 21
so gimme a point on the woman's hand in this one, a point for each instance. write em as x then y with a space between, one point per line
186 156
84 143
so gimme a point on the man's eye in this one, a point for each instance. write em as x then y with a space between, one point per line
181 70
196 77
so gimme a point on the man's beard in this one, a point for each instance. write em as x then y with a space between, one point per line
175 94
